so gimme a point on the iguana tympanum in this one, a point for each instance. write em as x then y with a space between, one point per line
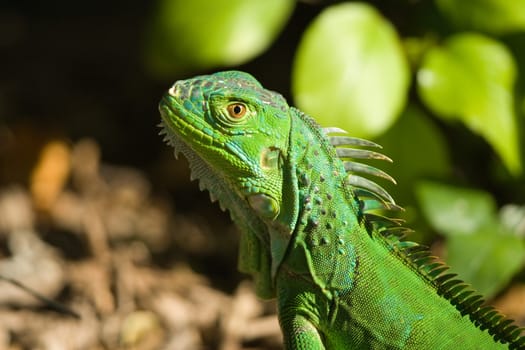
310 230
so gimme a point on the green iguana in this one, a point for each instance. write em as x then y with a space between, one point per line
311 234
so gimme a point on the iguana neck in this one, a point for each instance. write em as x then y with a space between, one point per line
321 177
328 210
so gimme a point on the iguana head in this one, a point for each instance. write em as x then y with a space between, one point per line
228 124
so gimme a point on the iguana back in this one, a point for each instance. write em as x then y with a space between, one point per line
311 233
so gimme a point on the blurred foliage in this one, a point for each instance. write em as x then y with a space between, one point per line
491 16
471 77
350 70
430 160
484 247
439 83
199 34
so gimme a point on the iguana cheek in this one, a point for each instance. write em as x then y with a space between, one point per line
265 206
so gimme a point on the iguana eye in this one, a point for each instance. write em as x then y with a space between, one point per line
236 110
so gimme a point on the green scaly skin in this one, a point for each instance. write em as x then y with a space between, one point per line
310 230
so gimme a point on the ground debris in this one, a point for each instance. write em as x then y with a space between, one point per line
96 240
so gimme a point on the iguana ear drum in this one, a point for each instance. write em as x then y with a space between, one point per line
264 205
270 158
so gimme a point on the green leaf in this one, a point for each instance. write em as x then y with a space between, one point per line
350 70
512 218
471 78
418 151
488 259
483 248
455 211
493 16
201 34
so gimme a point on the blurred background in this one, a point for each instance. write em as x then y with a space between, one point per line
97 215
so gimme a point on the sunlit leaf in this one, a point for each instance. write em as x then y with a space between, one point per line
512 217
488 259
471 78
454 210
494 16
483 248
200 34
350 70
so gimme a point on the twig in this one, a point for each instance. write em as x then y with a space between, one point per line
54 305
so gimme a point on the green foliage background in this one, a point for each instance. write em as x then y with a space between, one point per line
439 83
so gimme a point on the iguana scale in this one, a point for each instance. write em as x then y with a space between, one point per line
311 233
